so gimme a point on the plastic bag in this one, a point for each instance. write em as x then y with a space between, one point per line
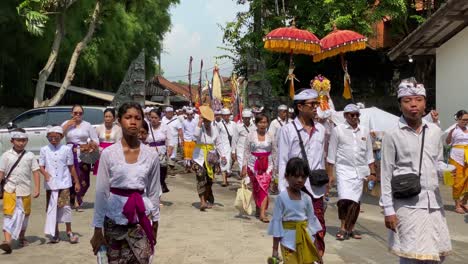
244 201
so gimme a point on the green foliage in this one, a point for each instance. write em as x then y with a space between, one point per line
124 29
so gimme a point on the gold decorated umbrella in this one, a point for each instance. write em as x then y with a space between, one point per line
293 41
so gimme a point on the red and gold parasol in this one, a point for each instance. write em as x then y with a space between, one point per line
338 42
293 41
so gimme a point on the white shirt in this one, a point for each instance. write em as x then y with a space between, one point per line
81 134
275 125
458 138
115 172
114 135
226 129
19 181
289 147
56 161
351 151
174 126
401 148
203 138
254 145
292 210
189 129
162 133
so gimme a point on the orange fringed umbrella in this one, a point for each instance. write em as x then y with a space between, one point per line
293 41
338 42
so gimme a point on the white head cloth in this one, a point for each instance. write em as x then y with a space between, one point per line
225 111
217 112
147 109
291 110
282 107
189 111
408 88
18 135
351 108
257 110
361 105
307 94
246 113
55 129
169 109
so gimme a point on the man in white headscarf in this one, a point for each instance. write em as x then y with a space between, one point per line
279 121
418 231
177 133
227 131
242 131
350 153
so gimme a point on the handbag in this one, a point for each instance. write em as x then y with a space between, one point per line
243 201
409 184
4 180
213 157
316 177
162 156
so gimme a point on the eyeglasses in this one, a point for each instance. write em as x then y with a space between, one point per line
312 104
78 113
354 114
464 120
53 137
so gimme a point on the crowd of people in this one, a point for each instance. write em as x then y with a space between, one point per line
297 154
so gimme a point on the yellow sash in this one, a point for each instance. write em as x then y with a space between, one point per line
465 148
206 148
305 248
9 203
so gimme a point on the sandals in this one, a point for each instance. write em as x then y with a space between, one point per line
203 208
6 247
22 242
355 235
264 219
342 235
73 238
54 240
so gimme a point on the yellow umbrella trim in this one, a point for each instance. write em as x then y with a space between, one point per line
296 47
343 49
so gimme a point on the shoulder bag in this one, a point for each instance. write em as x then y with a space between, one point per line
4 180
316 177
409 184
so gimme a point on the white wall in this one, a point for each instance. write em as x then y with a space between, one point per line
452 77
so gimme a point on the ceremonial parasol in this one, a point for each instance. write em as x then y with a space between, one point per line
293 41
340 42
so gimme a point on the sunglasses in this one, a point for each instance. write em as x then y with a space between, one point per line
78 113
354 115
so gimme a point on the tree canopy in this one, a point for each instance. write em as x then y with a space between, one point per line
124 29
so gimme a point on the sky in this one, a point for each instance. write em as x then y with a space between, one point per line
195 32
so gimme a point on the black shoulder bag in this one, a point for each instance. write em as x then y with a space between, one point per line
408 185
316 177
4 180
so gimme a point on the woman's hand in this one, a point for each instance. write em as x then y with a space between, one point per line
200 121
244 171
77 187
97 240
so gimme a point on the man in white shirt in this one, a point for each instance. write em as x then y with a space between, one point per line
242 131
313 138
280 121
218 118
189 126
56 164
227 132
350 153
176 132
418 231
17 189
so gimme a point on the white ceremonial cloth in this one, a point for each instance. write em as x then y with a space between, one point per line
115 172
241 137
17 222
56 161
350 150
289 147
51 218
458 138
226 128
292 210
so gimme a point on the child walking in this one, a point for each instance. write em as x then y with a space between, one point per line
56 164
294 223
16 167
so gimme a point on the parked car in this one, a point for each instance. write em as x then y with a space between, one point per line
35 122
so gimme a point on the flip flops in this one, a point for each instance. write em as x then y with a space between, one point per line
6 247
73 238
342 235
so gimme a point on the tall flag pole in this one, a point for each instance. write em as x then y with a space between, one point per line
200 84
190 80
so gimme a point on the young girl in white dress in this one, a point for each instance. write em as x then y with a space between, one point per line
294 213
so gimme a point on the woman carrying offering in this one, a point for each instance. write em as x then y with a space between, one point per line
205 155
160 138
108 133
82 137
458 139
294 223
258 163
127 195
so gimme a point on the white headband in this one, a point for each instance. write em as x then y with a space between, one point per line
55 129
406 88
18 135
282 107
307 94
246 113
225 111
169 109
351 108
189 111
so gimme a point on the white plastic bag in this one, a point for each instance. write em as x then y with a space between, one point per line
244 201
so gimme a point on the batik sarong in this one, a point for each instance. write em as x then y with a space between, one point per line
204 182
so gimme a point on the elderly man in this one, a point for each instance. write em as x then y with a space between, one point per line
280 121
350 153
305 138
242 130
413 208
177 134
227 131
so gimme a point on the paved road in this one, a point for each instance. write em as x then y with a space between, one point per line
221 236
